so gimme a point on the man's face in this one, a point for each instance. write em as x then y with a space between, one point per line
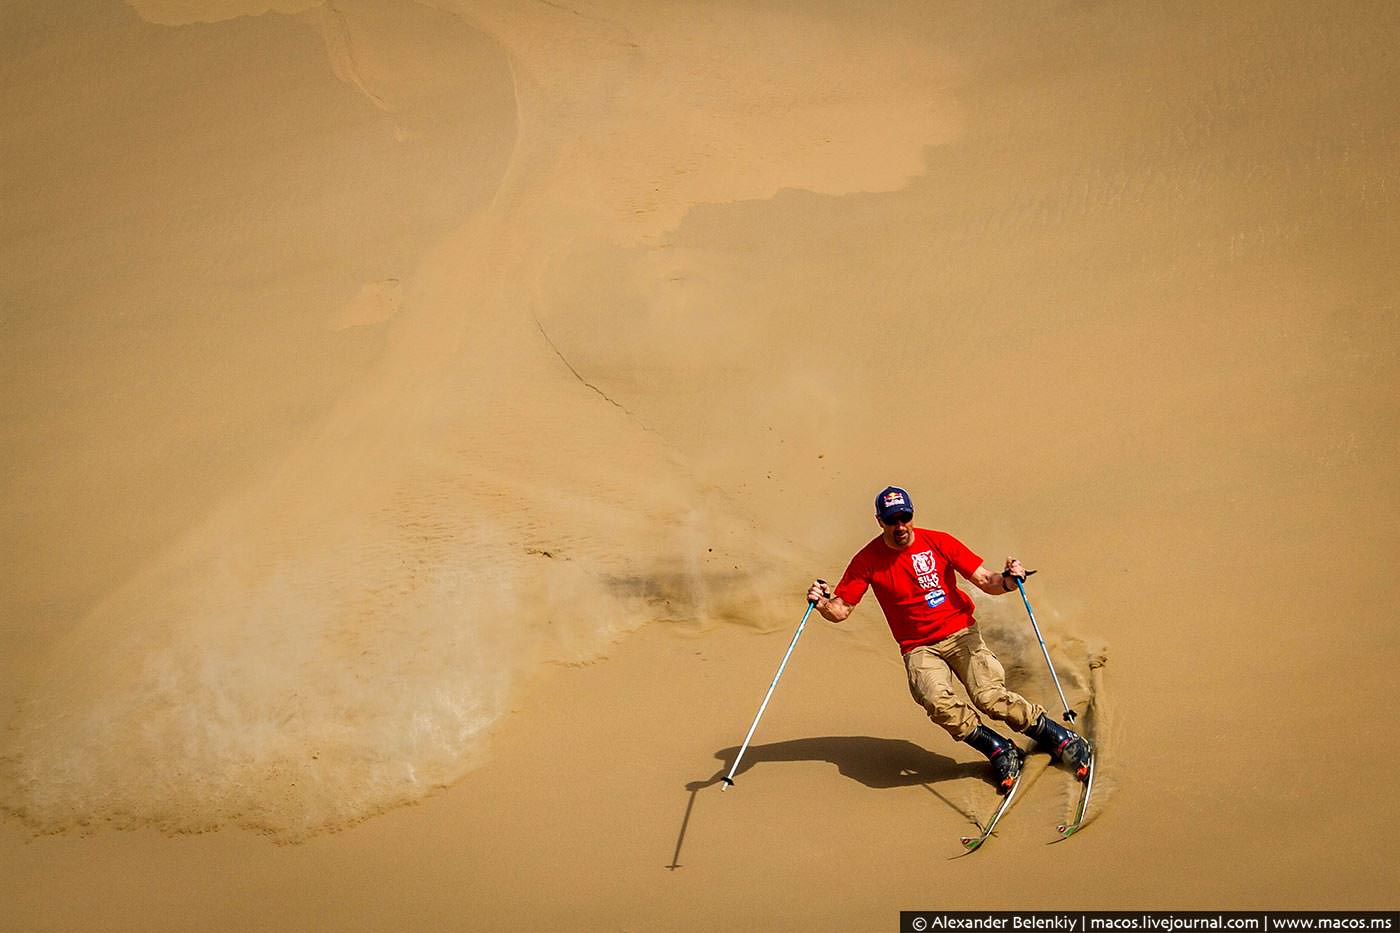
898 530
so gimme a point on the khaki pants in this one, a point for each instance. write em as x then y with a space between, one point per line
931 669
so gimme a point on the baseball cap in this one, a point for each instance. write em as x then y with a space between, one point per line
892 500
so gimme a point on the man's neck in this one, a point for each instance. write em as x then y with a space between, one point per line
896 547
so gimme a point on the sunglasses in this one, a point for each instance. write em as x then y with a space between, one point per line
898 518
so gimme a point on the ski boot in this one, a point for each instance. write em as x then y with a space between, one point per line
1005 757
1063 744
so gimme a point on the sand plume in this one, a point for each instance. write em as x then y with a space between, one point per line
333 637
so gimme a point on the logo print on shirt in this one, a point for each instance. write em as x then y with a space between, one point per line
926 572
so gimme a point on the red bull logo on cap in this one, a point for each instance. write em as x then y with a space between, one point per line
894 498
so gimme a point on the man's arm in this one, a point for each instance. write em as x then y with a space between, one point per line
833 608
994 584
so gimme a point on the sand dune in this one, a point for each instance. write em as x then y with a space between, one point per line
448 403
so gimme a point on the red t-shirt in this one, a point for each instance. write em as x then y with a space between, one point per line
915 586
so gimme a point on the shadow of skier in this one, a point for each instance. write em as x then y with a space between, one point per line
877 763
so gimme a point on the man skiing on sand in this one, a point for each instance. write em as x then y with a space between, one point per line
911 570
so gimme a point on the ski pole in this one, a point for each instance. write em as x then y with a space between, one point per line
1069 713
729 778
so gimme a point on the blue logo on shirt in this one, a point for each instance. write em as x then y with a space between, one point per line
935 598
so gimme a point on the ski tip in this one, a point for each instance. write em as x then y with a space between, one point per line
971 842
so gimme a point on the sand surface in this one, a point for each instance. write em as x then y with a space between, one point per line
421 422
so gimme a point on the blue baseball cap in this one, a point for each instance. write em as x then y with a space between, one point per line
891 501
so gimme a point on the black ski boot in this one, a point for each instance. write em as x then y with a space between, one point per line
1005 757
1063 744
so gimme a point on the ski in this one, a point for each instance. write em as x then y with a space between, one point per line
972 843
1069 829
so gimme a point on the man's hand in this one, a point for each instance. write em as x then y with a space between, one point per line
1014 572
1014 569
832 607
994 584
